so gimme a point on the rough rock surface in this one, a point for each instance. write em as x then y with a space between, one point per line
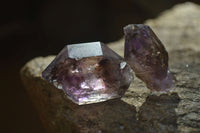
178 28
139 110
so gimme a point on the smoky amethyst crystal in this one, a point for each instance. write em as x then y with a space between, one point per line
147 56
89 73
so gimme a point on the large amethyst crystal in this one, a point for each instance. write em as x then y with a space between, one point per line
89 73
147 56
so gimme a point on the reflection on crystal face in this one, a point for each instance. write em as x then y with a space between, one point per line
147 56
89 76
82 50
122 65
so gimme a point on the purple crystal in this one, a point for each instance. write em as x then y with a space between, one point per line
89 73
147 56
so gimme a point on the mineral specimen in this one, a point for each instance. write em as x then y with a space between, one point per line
89 73
146 54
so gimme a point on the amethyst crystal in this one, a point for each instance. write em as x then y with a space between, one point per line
147 56
89 73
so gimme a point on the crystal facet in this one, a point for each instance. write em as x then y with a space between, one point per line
89 73
147 56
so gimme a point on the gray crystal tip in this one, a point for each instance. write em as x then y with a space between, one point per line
134 27
81 50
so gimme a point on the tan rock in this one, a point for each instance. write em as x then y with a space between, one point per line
139 110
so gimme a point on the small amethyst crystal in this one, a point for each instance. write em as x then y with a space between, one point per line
147 56
89 73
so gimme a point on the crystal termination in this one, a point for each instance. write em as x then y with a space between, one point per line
147 56
89 73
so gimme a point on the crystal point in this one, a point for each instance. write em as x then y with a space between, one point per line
89 73
147 56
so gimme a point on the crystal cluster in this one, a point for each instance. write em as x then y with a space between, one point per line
89 73
147 56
